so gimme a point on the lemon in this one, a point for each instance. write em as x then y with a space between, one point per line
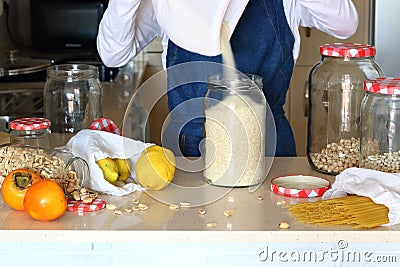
155 167
109 169
123 169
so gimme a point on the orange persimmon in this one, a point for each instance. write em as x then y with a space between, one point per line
15 186
45 200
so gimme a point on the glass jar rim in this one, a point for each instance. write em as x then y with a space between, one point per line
235 81
72 70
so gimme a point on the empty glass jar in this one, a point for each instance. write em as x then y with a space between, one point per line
380 125
234 130
336 89
72 99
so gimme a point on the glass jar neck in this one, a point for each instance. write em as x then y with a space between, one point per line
72 72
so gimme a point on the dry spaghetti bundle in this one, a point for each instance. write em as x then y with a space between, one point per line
358 211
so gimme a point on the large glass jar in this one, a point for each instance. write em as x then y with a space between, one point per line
72 99
380 125
234 130
335 94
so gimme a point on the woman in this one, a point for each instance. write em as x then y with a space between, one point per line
264 37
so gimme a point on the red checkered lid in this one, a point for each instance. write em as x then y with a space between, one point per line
106 125
347 50
79 206
387 86
29 124
302 186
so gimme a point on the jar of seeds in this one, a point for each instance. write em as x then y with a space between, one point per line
336 89
380 125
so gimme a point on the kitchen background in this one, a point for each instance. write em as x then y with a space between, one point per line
27 25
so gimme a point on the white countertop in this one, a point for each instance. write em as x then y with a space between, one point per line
252 219
180 237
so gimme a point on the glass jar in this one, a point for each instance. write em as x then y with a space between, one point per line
380 125
335 94
60 165
33 132
72 99
234 130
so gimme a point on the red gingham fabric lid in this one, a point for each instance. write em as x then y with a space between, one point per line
347 50
29 124
387 86
302 186
79 206
106 125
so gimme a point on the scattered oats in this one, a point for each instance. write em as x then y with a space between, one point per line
260 198
87 200
281 203
144 207
110 206
135 208
202 211
284 225
128 210
118 212
228 213
209 225
135 201
184 204
76 195
174 207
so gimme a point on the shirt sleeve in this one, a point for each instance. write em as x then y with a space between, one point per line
338 18
126 28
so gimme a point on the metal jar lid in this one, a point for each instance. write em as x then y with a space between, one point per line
386 86
29 124
352 50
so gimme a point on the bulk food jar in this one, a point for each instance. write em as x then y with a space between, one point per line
380 125
234 130
72 100
336 89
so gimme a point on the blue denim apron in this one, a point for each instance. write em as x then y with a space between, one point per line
262 44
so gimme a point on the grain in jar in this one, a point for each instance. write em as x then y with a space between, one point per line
234 129
335 93
380 125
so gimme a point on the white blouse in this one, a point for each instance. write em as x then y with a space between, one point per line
128 26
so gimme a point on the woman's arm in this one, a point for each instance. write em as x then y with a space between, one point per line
338 18
126 28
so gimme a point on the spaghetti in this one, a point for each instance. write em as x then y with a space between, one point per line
358 211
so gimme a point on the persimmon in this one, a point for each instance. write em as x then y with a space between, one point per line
15 186
45 200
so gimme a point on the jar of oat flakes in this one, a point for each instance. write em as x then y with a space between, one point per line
336 89
234 130
380 125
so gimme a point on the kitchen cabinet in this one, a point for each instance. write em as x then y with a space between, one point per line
161 236
311 39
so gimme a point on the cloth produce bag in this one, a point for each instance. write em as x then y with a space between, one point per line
93 145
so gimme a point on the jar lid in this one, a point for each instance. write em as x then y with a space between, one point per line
79 206
107 125
347 50
302 186
29 124
387 86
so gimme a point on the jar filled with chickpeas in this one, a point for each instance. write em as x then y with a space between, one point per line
336 90
380 125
